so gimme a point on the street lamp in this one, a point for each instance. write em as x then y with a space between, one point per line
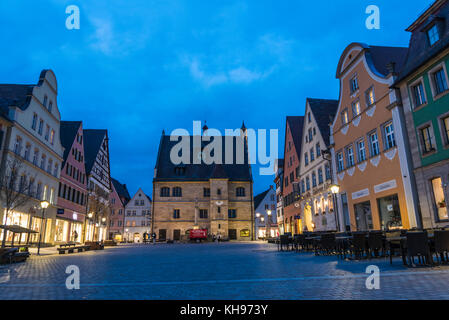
335 189
44 205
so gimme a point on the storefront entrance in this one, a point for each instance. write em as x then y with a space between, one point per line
363 216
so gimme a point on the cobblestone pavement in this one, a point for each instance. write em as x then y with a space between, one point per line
216 271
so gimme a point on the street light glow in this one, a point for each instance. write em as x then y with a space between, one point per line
335 188
44 204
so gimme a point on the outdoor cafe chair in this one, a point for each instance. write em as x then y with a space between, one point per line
418 246
284 241
359 245
328 244
441 241
375 243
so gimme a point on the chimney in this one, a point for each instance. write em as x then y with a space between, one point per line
391 67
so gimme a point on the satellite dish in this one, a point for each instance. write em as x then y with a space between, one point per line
219 203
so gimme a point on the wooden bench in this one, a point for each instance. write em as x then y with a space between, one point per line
71 247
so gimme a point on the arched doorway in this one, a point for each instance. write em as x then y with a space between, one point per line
137 237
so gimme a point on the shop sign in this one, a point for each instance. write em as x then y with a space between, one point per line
385 186
244 233
60 211
360 194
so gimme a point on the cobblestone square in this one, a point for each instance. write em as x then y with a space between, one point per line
216 271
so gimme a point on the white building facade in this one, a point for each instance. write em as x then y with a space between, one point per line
317 201
138 217
33 140
266 221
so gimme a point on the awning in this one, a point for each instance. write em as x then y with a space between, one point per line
17 229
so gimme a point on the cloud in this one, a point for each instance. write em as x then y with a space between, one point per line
238 75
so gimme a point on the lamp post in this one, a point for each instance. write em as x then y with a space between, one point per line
335 189
44 205
257 224
268 224
90 215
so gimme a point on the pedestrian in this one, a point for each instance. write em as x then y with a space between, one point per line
75 235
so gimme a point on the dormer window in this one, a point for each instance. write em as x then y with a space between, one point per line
180 171
433 35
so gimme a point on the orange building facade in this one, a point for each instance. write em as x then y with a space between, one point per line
367 139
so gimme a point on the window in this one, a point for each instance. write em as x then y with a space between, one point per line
292 176
303 186
52 136
203 213
340 163
418 95
232 213
440 83
41 126
310 134
309 118
312 155
308 183
34 122
206 192
318 150
327 170
354 84
177 192
218 192
45 101
43 159
313 179
350 157
47 132
356 110
18 145
240 192
344 117
374 144
297 172
176 214
426 139
446 129
165 192
361 152
433 35
306 158
320 176
50 106
370 98
440 200
390 142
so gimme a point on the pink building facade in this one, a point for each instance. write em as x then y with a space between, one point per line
72 194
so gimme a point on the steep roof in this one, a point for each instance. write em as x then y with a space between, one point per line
68 132
259 198
296 124
15 95
420 51
93 139
323 111
121 189
165 168
383 56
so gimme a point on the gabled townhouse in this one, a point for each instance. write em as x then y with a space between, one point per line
278 180
96 151
33 140
72 191
317 202
138 217
118 199
369 152
265 219
424 86
293 221
198 195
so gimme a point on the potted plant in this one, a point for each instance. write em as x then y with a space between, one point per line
442 204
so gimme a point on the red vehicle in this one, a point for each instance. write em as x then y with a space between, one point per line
198 234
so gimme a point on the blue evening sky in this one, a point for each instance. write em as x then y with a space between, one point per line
138 67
